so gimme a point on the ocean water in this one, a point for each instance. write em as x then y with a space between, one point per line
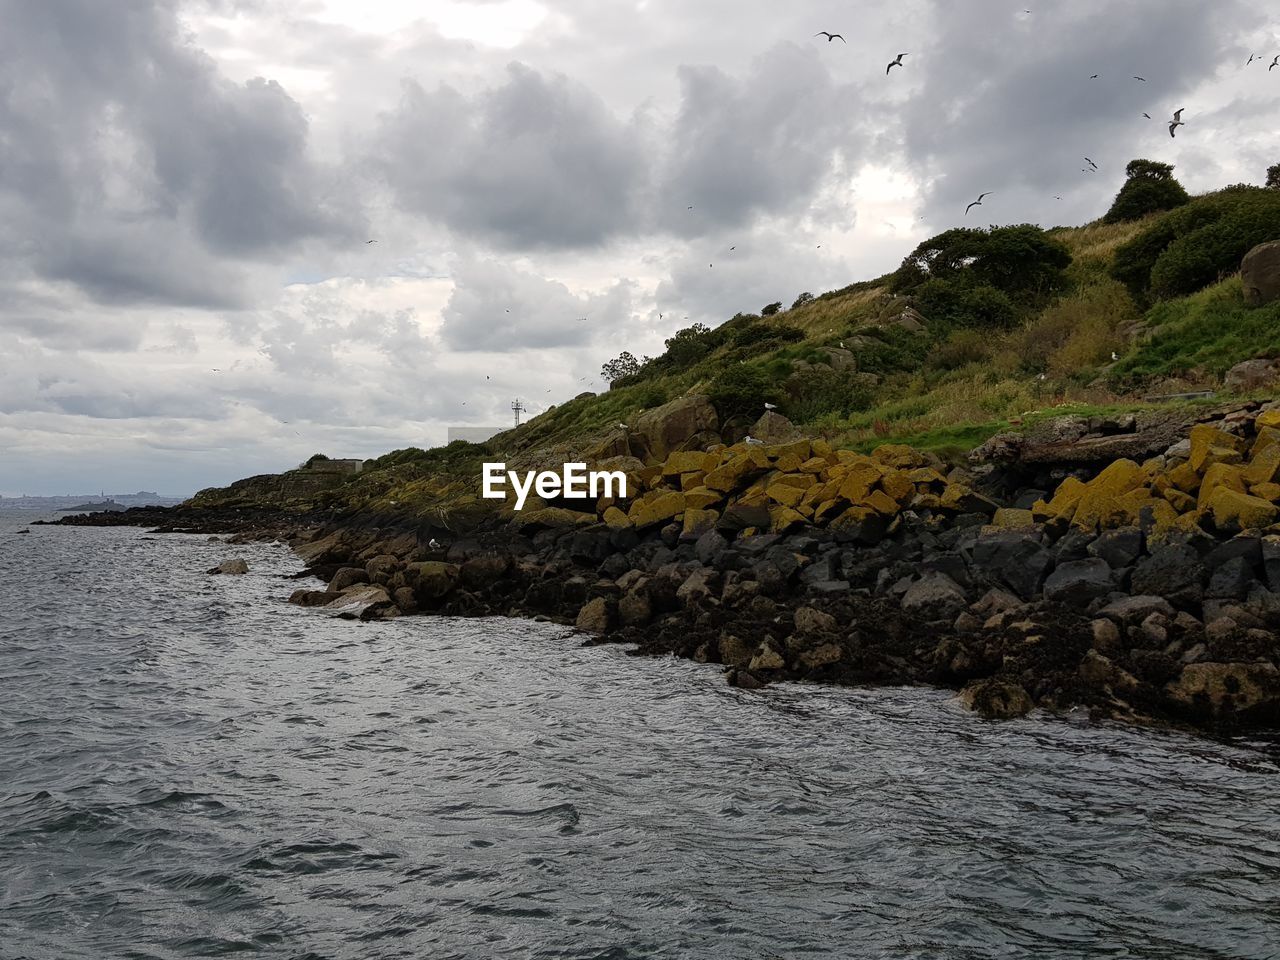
189 767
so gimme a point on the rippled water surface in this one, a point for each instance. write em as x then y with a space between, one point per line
189 767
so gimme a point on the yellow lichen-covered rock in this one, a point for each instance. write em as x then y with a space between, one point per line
927 475
787 463
782 518
898 455
1267 491
784 493
1233 510
616 518
1264 467
1185 478
690 480
827 508
1119 477
688 461
926 501
1154 514
698 522
897 485
1219 475
1182 502
699 498
1268 418
802 450
820 448
656 507
1209 445
1011 518
731 474
1099 511
1267 437
554 517
853 518
802 481
756 454
1062 503
882 503
858 481
814 465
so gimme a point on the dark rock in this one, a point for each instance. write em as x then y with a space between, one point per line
935 597
1078 582
346 577
1232 580
710 546
1119 548
997 698
1018 561
232 567
596 616
1130 610
1173 571
1228 691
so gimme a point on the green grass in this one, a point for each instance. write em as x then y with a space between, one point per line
1202 336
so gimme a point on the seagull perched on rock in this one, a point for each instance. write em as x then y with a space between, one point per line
750 439
830 36
895 62
434 544
976 203
1176 122
771 406
1114 355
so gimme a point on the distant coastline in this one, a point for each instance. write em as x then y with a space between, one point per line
88 502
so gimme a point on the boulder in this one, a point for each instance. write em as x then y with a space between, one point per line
935 597
668 428
1079 582
1017 560
1260 274
810 620
1231 580
996 698
1253 375
1135 609
233 567
596 616
431 579
347 577
773 427
1245 691
1173 571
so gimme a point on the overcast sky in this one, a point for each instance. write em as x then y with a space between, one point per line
186 191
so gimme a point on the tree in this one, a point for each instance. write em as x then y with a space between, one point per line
1150 188
1022 261
801 300
623 365
769 309
686 347
1273 176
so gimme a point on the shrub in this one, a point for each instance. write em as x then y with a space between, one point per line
741 389
1024 262
686 347
801 300
1195 245
1150 188
623 365
819 392
1273 176
769 309
960 304
891 350
960 349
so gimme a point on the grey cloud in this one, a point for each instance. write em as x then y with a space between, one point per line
537 161
497 307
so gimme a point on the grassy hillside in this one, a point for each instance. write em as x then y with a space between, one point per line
978 332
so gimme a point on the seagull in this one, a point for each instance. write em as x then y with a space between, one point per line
622 426
1094 77
1176 122
1143 79
830 36
371 241
750 439
434 544
1147 115
1057 198
1114 355
976 203
896 62
1090 163
1274 63
690 207
733 248
1252 57
1177 114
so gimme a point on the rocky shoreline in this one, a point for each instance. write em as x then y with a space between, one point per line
1145 591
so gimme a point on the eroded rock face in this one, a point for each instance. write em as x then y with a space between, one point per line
673 425
773 427
1260 274
1253 375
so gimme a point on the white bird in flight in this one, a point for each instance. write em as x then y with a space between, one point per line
976 203
1177 121
830 36
895 62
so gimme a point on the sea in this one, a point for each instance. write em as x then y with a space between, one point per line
191 767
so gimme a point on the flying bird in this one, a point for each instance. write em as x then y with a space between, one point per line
1274 63
1176 122
1094 77
976 203
1147 115
1090 163
896 62
830 36
1143 79
1177 114
733 248
1252 57
371 241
